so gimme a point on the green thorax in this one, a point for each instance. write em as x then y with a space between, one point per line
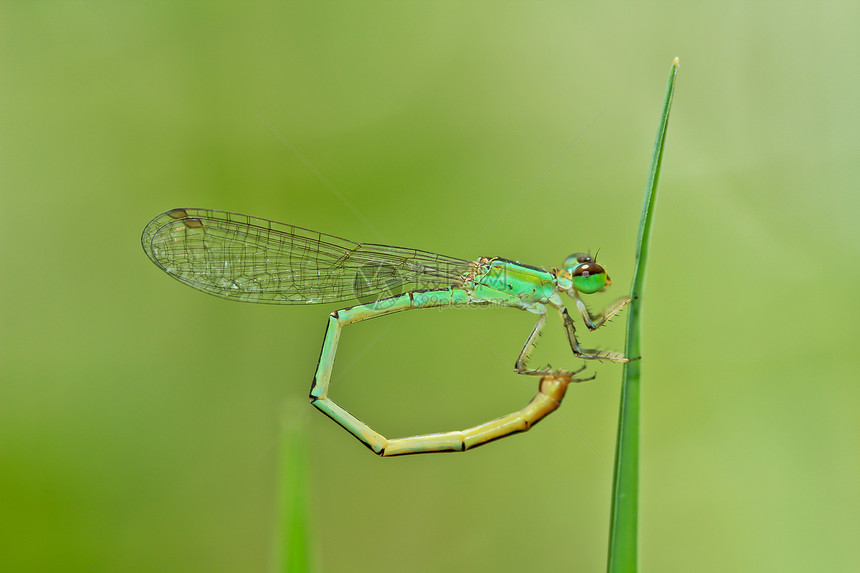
512 284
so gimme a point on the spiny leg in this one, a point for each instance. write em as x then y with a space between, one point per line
595 321
587 353
520 365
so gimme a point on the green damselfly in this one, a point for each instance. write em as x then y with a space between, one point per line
244 258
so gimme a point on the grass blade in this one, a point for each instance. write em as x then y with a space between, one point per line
623 527
293 551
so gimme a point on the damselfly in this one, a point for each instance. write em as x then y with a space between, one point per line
244 258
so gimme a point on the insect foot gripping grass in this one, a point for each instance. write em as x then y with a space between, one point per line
244 258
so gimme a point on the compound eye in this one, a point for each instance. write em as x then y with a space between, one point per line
576 259
588 277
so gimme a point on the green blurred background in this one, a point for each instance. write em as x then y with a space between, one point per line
140 420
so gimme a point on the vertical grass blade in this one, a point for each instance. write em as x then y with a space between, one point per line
294 544
623 527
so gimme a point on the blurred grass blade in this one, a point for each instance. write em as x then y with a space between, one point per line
294 547
623 527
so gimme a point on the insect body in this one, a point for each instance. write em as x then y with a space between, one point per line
244 258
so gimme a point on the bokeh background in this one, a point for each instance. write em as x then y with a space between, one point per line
140 421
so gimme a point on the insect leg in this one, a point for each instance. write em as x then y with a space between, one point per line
520 364
595 321
587 353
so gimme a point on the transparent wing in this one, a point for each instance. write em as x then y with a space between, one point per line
246 258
